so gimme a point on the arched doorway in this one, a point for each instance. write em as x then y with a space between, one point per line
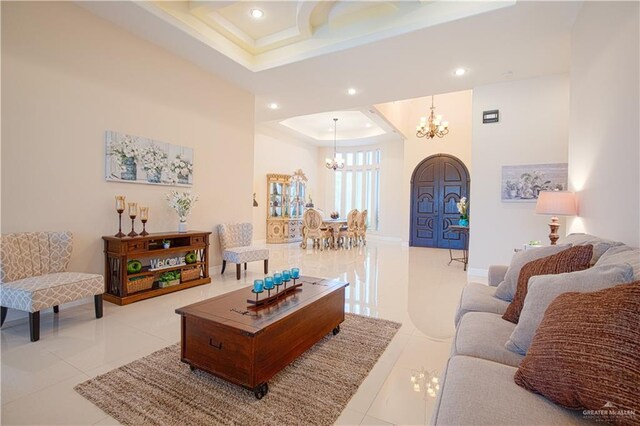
437 184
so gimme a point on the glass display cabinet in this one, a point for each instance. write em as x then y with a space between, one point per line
285 206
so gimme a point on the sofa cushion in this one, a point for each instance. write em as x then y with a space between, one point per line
36 293
482 335
586 352
481 392
544 289
600 245
479 298
622 254
573 259
507 288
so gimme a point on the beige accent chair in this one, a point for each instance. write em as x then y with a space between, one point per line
33 276
349 236
312 228
235 242
361 229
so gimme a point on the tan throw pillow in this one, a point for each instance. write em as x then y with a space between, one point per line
622 254
600 245
586 354
507 288
543 289
570 260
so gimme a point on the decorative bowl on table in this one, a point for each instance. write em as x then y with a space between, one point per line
334 215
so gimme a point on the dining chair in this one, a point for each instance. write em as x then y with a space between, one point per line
312 228
349 235
361 229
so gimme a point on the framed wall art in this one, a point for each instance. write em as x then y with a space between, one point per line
135 159
523 183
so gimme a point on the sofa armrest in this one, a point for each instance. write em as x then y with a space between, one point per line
496 274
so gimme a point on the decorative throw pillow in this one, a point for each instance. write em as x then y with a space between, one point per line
570 260
507 288
600 245
622 254
586 354
543 289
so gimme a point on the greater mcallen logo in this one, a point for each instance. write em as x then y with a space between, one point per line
608 412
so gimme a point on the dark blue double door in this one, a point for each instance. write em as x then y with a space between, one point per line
437 185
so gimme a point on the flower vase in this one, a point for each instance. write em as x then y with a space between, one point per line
153 175
463 222
128 169
182 227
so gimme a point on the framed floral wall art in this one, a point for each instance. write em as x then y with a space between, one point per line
523 183
136 159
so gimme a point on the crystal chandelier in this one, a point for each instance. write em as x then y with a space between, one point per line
432 128
336 162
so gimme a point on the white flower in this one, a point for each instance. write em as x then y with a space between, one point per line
153 158
462 206
182 202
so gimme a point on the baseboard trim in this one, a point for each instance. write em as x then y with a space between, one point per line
478 272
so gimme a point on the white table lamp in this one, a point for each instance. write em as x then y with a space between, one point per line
556 203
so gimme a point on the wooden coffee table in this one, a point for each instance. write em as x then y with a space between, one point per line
247 345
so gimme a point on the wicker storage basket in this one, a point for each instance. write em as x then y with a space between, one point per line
190 274
140 284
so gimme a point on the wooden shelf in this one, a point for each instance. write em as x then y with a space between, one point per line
153 292
119 251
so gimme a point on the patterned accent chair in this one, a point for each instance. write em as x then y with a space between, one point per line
312 228
235 242
361 231
349 236
33 276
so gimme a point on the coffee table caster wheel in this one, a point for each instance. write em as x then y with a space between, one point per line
336 330
192 368
261 390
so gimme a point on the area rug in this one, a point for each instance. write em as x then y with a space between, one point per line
159 389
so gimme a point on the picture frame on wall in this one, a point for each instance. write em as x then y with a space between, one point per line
523 183
135 159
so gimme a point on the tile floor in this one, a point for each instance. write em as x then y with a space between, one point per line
413 286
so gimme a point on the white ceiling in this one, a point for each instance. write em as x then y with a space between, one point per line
383 49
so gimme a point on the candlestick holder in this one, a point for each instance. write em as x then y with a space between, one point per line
272 299
120 210
144 216
133 212
144 228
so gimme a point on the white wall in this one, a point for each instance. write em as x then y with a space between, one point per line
67 76
604 153
279 153
533 129
404 115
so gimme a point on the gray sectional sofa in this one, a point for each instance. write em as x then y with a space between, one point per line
477 387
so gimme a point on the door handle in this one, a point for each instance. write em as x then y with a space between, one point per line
215 345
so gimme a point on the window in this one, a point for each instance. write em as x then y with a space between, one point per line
357 186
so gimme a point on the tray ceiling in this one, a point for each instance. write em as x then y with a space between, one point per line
291 31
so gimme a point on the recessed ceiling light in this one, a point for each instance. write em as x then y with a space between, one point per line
460 72
273 105
352 91
256 13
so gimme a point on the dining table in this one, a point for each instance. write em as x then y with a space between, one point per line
334 225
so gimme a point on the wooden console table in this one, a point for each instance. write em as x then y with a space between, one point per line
148 250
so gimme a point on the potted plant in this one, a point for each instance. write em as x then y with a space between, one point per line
169 278
166 243
511 188
154 161
463 210
126 152
182 203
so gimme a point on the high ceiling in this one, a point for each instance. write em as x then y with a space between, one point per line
304 55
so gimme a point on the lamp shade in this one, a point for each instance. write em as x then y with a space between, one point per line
556 203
